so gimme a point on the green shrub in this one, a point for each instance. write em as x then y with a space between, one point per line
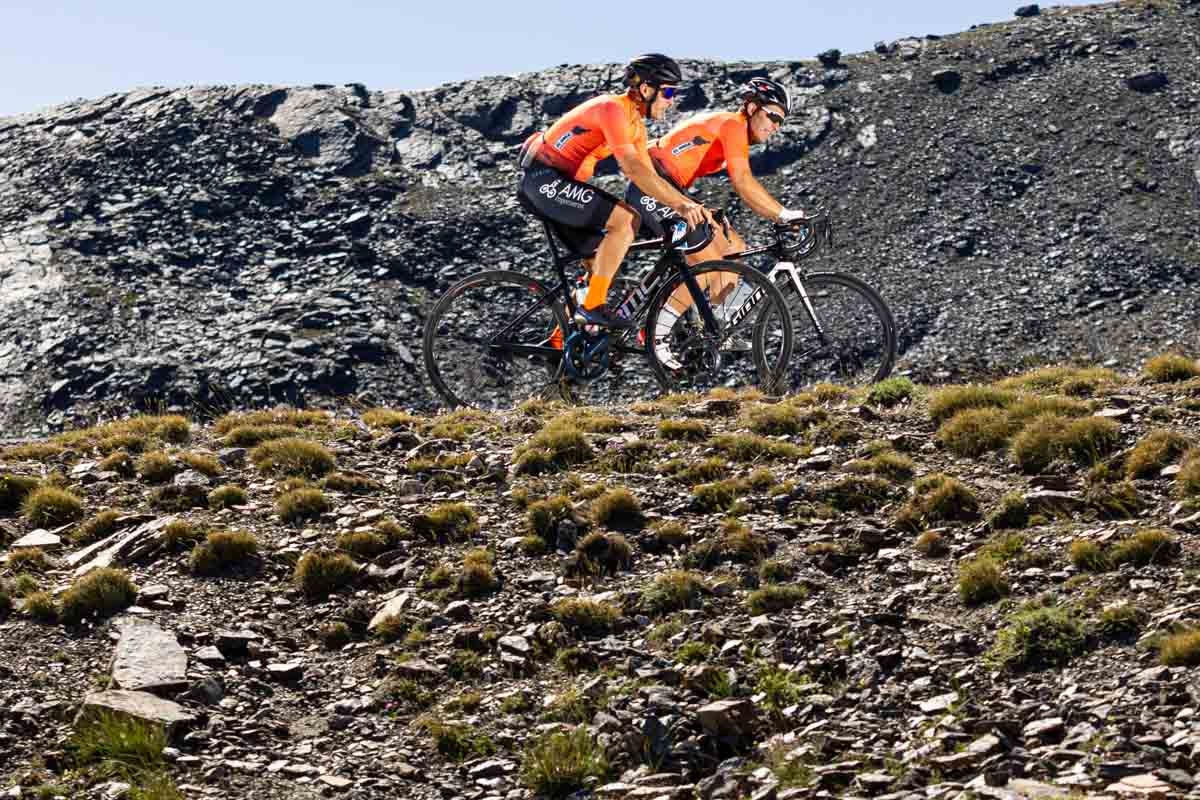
949 401
1154 452
98 594
560 763
781 419
1180 649
204 464
1147 546
221 550
349 483
587 617
301 504
447 522
40 606
975 431
746 447
179 534
389 419
456 741
253 435
1013 512
856 493
28 559
718 496
1037 444
891 391
363 544
49 506
688 430
1073 381
1088 439
602 554
555 447
1088 556
1026 408
226 496
670 591
13 491
776 571
320 573
118 745
157 467
981 581
775 597
1170 368
618 509
1187 482
778 687
1039 637
1121 621
888 464
689 473
98 527
292 456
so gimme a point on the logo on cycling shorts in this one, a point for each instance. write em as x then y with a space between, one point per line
550 189
679 148
654 207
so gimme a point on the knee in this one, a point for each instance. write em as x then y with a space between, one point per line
624 222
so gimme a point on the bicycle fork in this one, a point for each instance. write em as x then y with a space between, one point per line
793 279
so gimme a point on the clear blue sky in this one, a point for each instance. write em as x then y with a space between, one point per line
51 52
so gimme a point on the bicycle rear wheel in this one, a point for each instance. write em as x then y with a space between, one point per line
751 348
487 341
844 334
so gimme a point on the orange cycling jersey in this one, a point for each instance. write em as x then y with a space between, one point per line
589 133
702 145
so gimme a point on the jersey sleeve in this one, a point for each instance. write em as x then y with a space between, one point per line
611 120
736 146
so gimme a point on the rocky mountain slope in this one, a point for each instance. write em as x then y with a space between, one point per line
971 591
1022 192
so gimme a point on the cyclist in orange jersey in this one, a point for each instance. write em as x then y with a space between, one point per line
706 144
559 161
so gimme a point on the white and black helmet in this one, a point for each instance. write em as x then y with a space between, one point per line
765 91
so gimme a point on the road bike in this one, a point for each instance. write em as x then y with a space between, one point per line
844 332
489 341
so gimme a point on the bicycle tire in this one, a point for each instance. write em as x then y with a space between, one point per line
454 313
858 328
768 326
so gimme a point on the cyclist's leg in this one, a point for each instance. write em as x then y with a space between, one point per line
620 230
718 284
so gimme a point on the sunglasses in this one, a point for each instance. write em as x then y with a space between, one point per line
668 92
774 117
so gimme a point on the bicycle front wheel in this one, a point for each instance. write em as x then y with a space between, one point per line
844 331
489 341
751 346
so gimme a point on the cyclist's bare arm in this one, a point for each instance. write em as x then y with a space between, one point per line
753 193
636 166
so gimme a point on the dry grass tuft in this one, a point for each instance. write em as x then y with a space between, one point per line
1156 450
290 456
320 573
949 401
98 594
618 509
50 506
981 581
226 496
1170 368
221 550
301 504
447 522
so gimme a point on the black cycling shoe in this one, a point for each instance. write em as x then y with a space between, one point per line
605 317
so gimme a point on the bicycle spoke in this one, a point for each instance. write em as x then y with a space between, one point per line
843 334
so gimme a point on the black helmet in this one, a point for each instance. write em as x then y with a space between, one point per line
765 91
654 69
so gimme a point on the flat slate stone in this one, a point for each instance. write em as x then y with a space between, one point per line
392 608
148 658
139 705
39 538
